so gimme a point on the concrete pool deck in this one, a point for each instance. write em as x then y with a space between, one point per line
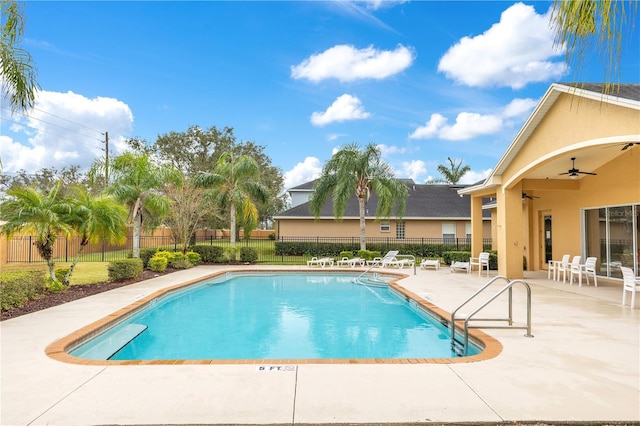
583 365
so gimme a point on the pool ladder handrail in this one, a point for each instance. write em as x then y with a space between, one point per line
509 286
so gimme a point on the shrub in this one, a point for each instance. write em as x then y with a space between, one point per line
54 286
248 254
158 263
272 237
456 256
194 257
232 253
146 254
347 254
18 287
181 263
209 254
124 269
61 275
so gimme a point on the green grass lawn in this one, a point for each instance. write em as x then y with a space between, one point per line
84 272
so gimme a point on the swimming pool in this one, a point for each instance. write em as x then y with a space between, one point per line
275 316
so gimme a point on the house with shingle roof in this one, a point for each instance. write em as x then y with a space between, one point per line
432 211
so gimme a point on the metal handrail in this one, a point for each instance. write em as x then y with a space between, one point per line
509 319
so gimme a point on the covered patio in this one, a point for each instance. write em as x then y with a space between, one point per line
569 183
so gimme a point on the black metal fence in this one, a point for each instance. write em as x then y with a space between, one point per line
284 250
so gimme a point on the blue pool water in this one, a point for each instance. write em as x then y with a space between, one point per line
281 316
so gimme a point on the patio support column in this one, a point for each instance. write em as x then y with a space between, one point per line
509 232
476 226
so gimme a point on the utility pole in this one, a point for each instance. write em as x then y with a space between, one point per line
106 160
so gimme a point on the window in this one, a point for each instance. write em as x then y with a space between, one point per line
467 231
400 230
385 226
449 232
612 235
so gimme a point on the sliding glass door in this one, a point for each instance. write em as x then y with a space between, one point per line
612 235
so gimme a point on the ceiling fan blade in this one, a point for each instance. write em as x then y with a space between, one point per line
587 173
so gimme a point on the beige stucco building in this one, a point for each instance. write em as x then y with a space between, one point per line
432 212
572 130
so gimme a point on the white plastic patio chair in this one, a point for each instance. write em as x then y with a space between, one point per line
482 261
562 267
575 268
631 283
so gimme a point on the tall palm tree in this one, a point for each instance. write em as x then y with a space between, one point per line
352 171
94 219
581 26
235 184
135 182
454 172
31 211
17 69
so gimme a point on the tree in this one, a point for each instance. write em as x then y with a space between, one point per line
197 150
454 172
579 25
235 186
95 219
17 69
136 182
352 171
189 207
45 215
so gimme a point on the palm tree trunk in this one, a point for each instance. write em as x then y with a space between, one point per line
363 237
137 224
232 213
67 278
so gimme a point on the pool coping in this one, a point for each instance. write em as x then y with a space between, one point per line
59 349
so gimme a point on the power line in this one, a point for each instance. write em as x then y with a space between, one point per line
60 127
53 134
65 119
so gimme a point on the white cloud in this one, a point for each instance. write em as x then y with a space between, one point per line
472 176
519 107
344 108
306 171
64 129
512 53
346 63
386 150
469 125
412 169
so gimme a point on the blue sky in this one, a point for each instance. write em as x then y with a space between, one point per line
425 80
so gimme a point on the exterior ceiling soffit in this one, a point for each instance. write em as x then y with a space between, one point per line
521 174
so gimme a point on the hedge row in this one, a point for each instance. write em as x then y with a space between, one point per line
309 248
18 287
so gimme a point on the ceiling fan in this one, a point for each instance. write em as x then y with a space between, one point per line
629 145
530 197
575 173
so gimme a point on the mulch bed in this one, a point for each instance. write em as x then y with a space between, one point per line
75 292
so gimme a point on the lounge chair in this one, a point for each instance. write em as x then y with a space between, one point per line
396 263
345 261
379 261
460 266
322 262
430 263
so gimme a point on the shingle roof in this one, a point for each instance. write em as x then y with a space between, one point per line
626 91
423 202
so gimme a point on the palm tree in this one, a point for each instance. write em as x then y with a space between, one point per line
95 219
581 25
454 172
352 171
28 210
135 183
17 70
235 184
